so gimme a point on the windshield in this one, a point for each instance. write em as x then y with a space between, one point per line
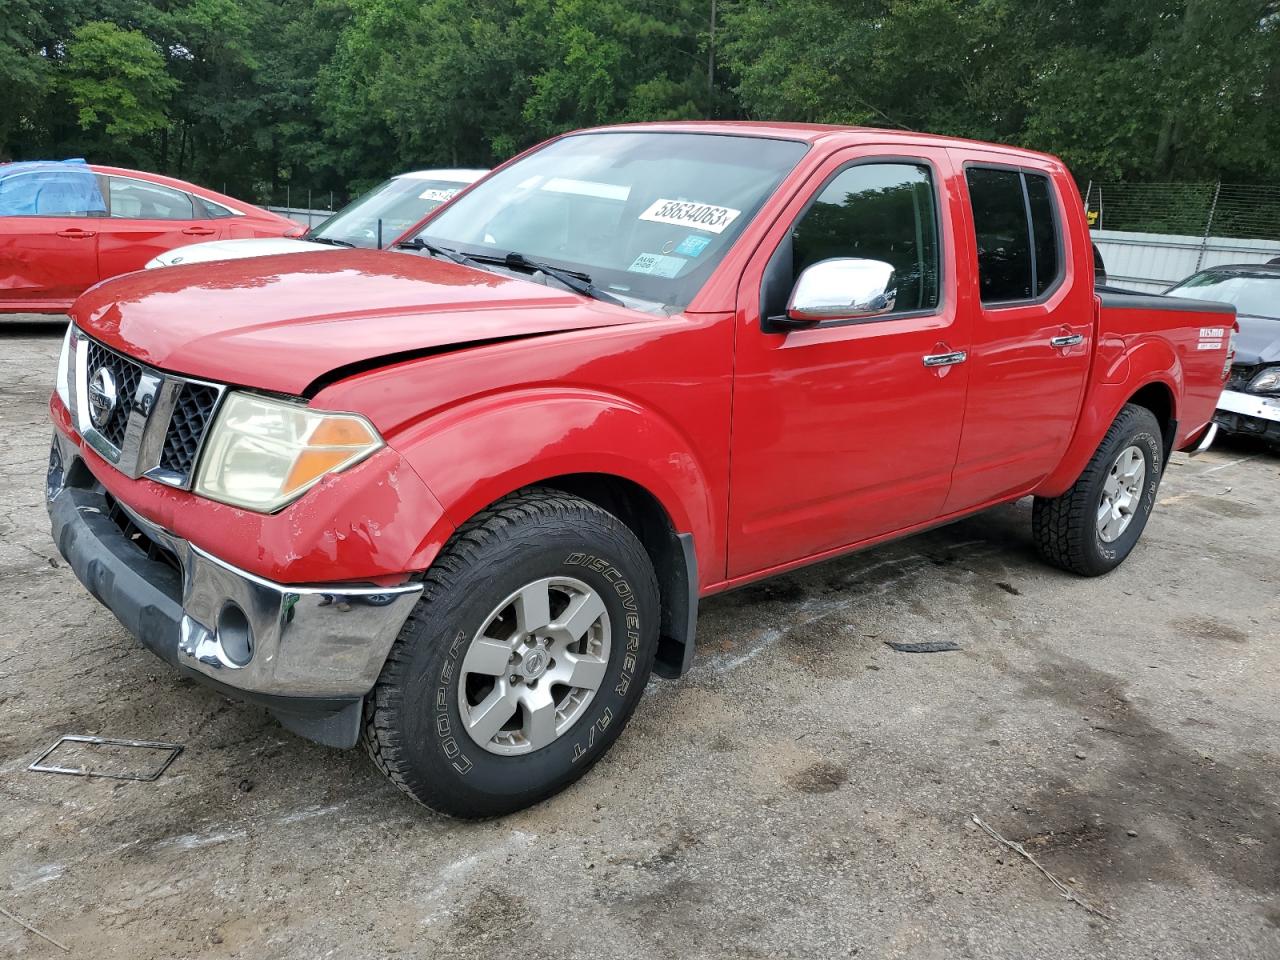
399 204
645 215
1254 294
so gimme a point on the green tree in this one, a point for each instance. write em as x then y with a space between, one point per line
116 81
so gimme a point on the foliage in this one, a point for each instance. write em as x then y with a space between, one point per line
337 94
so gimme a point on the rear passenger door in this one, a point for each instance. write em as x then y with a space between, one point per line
1033 327
146 219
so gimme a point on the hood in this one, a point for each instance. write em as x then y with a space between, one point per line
280 323
1258 340
234 250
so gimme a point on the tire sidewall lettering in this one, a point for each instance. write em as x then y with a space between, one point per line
585 738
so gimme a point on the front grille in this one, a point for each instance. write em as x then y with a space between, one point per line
126 374
173 412
191 416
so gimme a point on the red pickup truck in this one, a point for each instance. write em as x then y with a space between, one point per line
459 500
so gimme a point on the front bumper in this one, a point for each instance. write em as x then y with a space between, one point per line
309 653
1250 414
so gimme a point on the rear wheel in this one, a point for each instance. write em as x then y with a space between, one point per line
1092 527
523 660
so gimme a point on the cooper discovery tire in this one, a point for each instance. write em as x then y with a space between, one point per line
1092 527
522 661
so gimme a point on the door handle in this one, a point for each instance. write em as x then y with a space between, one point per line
945 359
1070 340
75 233
199 232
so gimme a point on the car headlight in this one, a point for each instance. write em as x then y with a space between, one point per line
263 453
1267 381
62 385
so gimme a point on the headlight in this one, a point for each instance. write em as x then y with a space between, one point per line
262 453
1268 381
62 385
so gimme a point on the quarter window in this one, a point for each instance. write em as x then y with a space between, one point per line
135 200
1016 229
876 211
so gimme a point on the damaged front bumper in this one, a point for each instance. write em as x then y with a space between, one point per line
308 653
1249 414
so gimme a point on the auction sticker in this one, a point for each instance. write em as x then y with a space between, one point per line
656 265
437 194
683 213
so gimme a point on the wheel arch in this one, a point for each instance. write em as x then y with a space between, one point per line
610 451
1156 391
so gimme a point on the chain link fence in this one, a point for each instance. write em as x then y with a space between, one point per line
1152 235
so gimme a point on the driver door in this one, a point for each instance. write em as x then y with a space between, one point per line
841 432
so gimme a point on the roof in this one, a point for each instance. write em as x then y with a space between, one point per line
814 133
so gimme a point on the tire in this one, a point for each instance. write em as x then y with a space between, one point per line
587 560
1068 529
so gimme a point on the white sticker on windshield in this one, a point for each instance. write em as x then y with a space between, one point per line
701 216
438 194
656 265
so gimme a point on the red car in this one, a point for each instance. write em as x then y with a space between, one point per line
460 502
65 226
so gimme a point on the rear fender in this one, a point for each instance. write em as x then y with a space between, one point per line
473 454
1148 361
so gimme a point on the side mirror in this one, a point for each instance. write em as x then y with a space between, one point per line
843 288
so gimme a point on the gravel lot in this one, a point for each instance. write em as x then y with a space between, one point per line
805 792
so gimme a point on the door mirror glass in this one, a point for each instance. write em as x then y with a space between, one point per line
843 288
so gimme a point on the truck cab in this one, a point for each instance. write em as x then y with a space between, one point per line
459 501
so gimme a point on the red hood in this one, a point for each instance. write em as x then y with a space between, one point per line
279 323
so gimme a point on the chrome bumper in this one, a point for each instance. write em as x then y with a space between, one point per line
212 619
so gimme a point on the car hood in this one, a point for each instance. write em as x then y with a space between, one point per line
281 323
1258 340
234 250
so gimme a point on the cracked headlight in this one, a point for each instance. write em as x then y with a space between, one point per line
1268 381
263 453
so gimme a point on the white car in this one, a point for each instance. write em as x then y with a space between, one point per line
373 220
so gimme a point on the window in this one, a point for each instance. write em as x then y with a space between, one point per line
1017 233
51 193
873 211
136 200
217 210
648 216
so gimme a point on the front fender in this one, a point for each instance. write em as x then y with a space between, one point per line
1148 360
479 451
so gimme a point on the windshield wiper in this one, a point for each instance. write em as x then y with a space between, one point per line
330 240
573 279
417 243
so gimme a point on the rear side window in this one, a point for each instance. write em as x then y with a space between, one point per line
216 210
135 200
1015 223
51 193
876 211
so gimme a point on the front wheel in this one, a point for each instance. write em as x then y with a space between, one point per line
1092 527
523 660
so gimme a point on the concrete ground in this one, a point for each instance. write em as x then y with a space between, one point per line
805 792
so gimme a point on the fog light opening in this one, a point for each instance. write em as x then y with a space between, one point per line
235 636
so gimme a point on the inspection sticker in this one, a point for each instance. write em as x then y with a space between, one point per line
701 216
693 245
655 264
438 194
